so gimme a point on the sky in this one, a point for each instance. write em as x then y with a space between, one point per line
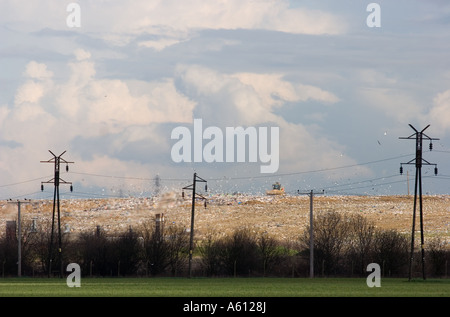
109 81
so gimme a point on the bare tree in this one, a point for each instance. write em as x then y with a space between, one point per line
391 251
177 244
361 240
330 233
271 252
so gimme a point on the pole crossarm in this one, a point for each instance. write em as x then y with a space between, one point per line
192 187
311 192
57 160
61 181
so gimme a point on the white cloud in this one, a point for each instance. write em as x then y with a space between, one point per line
36 86
81 54
88 107
50 114
166 16
173 21
37 71
159 45
115 104
439 115
249 99
275 91
244 98
392 102
29 92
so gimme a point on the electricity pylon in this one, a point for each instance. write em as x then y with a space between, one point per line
56 180
194 195
418 161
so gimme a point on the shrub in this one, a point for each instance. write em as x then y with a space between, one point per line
391 251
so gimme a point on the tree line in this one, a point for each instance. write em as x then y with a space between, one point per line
343 246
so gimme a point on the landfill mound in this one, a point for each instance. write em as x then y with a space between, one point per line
285 217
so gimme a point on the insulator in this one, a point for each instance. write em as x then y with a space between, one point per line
71 188
435 170
205 204
42 187
67 167
206 187
182 195
401 170
431 146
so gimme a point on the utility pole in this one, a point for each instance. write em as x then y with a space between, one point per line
19 234
311 230
157 185
194 195
418 161
56 160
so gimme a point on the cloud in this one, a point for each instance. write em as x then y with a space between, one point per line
395 103
37 71
81 54
161 44
276 91
166 16
36 86
51 114
29 92
172 21
439 115
97 105
243 98
250 99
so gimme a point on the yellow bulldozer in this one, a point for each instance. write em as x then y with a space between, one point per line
276 189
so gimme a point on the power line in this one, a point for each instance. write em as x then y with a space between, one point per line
24 182
131 177
245 177
366 186
361 182
215 179
25 195
311 171
221 179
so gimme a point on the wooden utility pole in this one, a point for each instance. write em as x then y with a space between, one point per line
19 233
311 230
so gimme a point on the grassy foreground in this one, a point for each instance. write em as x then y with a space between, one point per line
222 287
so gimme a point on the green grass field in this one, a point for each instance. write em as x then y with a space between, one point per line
223 287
